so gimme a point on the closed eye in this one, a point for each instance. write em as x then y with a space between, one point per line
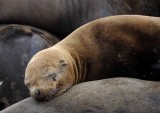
53 76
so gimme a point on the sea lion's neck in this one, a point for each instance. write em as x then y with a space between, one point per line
78 66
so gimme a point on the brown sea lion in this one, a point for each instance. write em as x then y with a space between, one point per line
61 17
114 95
125 46
18 44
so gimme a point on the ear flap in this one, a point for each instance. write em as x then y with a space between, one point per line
63 63
62 69
62 66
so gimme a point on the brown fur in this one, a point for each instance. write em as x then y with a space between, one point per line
108 47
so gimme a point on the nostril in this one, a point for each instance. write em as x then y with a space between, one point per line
37 92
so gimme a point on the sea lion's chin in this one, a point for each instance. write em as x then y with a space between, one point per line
47 94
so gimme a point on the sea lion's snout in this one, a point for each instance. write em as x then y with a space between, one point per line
37 92
44 92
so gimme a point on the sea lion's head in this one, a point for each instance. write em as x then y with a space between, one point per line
48 74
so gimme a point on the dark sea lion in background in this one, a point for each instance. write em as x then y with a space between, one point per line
17 45
116 46
116 95
3 103
61 17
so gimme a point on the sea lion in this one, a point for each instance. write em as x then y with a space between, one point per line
18 44
61 17
116 46
3 103
114 95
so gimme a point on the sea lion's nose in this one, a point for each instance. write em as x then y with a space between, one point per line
37 92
